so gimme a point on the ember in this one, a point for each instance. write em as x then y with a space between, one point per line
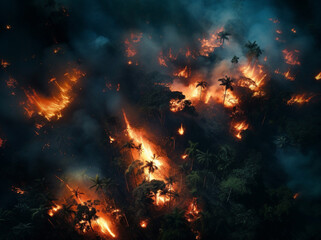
181 130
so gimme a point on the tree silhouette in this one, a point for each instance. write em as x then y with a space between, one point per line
235 60
150 165
202 85
253 50
223 36
227 82
191 151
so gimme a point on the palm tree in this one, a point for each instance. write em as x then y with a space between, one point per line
202 85
235 60
253 50
150 165
191 151
172 194
169 182
129 145
98 183
205 159
223 36
227 82
134 166
66 210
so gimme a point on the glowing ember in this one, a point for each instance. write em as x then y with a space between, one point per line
184 156
239 127
192 212
181 130
293 30
111 139
318 77
52 107
300 99
176 105
162 60
143 224
296 195
56 50
185 73
8 27
17 190
278 31
291 57
4 63
54 210
208 45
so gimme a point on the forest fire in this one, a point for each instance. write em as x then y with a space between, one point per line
287 75
104 228
318 77
300 99
291 57
181 130
185 72
255 73
239 128
193 211
176 105
52 107
208 45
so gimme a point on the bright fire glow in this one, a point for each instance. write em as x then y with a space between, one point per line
185 72
239 127
104 228
53 210
176 105
52 107
111 139
143 224
287 74
318 77
208 45
181 130
18 190
184 156
256 74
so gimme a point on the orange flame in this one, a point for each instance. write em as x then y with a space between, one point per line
181 130
185 72
256 74
17 190
176 105
287 74
291 57
184 156
208 45
104 228
143 223
239 127
300 99
4 63
52 107
111 139
296 195
293 30
318 77
53 210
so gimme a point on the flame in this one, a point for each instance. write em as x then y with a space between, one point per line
56 50
318 77
176 105
193 211
293 30
239 127
52 107
4 63
208 45
291 57
255 73
278 31
296 195
111 139
287 74
8 27
162 60
185 72
143 223
53 210
184 156
300 99
104 228
17 190
181 130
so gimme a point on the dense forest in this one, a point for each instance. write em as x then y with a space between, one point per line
169 120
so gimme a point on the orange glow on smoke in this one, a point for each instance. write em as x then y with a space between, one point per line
239 128
318 77
208 45
291 57
52 107
181 130
300 99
